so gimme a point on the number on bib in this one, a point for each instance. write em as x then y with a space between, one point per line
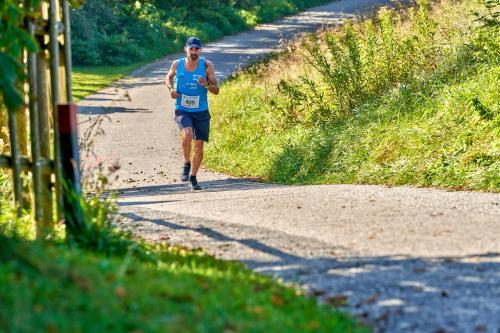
190 102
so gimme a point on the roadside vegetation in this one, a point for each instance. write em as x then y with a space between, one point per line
404 98
103 280
112 38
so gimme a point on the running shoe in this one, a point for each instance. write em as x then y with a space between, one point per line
193 183
185 172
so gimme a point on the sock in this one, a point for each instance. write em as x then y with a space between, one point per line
192 177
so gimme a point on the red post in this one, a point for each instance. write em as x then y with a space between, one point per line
70 165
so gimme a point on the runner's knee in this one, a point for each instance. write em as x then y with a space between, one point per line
187 134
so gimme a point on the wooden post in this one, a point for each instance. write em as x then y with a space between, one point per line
41 178
16 163
55 93
44 132
67 50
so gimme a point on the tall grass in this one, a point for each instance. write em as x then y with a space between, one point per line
406 98
359 62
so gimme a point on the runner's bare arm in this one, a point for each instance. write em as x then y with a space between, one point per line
169 79
212 80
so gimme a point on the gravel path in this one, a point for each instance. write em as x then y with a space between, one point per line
402 259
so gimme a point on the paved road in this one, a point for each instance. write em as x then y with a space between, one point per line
403 259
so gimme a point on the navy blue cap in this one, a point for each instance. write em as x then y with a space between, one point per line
193 42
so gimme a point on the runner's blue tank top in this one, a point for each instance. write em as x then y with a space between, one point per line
193 96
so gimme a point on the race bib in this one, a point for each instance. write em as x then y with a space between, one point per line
190 102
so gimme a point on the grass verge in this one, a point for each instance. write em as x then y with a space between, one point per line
55 288
436 125
88 80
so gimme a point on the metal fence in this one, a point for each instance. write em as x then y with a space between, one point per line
42 134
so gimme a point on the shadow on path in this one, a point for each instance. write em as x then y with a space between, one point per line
104 110
219 185
395 293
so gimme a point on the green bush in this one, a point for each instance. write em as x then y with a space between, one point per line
119 33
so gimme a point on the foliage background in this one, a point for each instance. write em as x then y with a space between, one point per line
107 32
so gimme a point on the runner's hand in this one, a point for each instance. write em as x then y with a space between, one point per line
203 82
174 94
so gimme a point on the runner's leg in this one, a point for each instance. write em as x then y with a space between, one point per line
198 156
187 137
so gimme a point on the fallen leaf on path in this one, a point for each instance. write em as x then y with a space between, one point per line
127 95
436 214
336 301
420 270
372 299
481 328
317 293
383 317
441 330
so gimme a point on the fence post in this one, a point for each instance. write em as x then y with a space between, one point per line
68 66
70 163
22 145
55 93
16 162
41 176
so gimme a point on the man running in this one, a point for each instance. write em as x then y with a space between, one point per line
194 77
